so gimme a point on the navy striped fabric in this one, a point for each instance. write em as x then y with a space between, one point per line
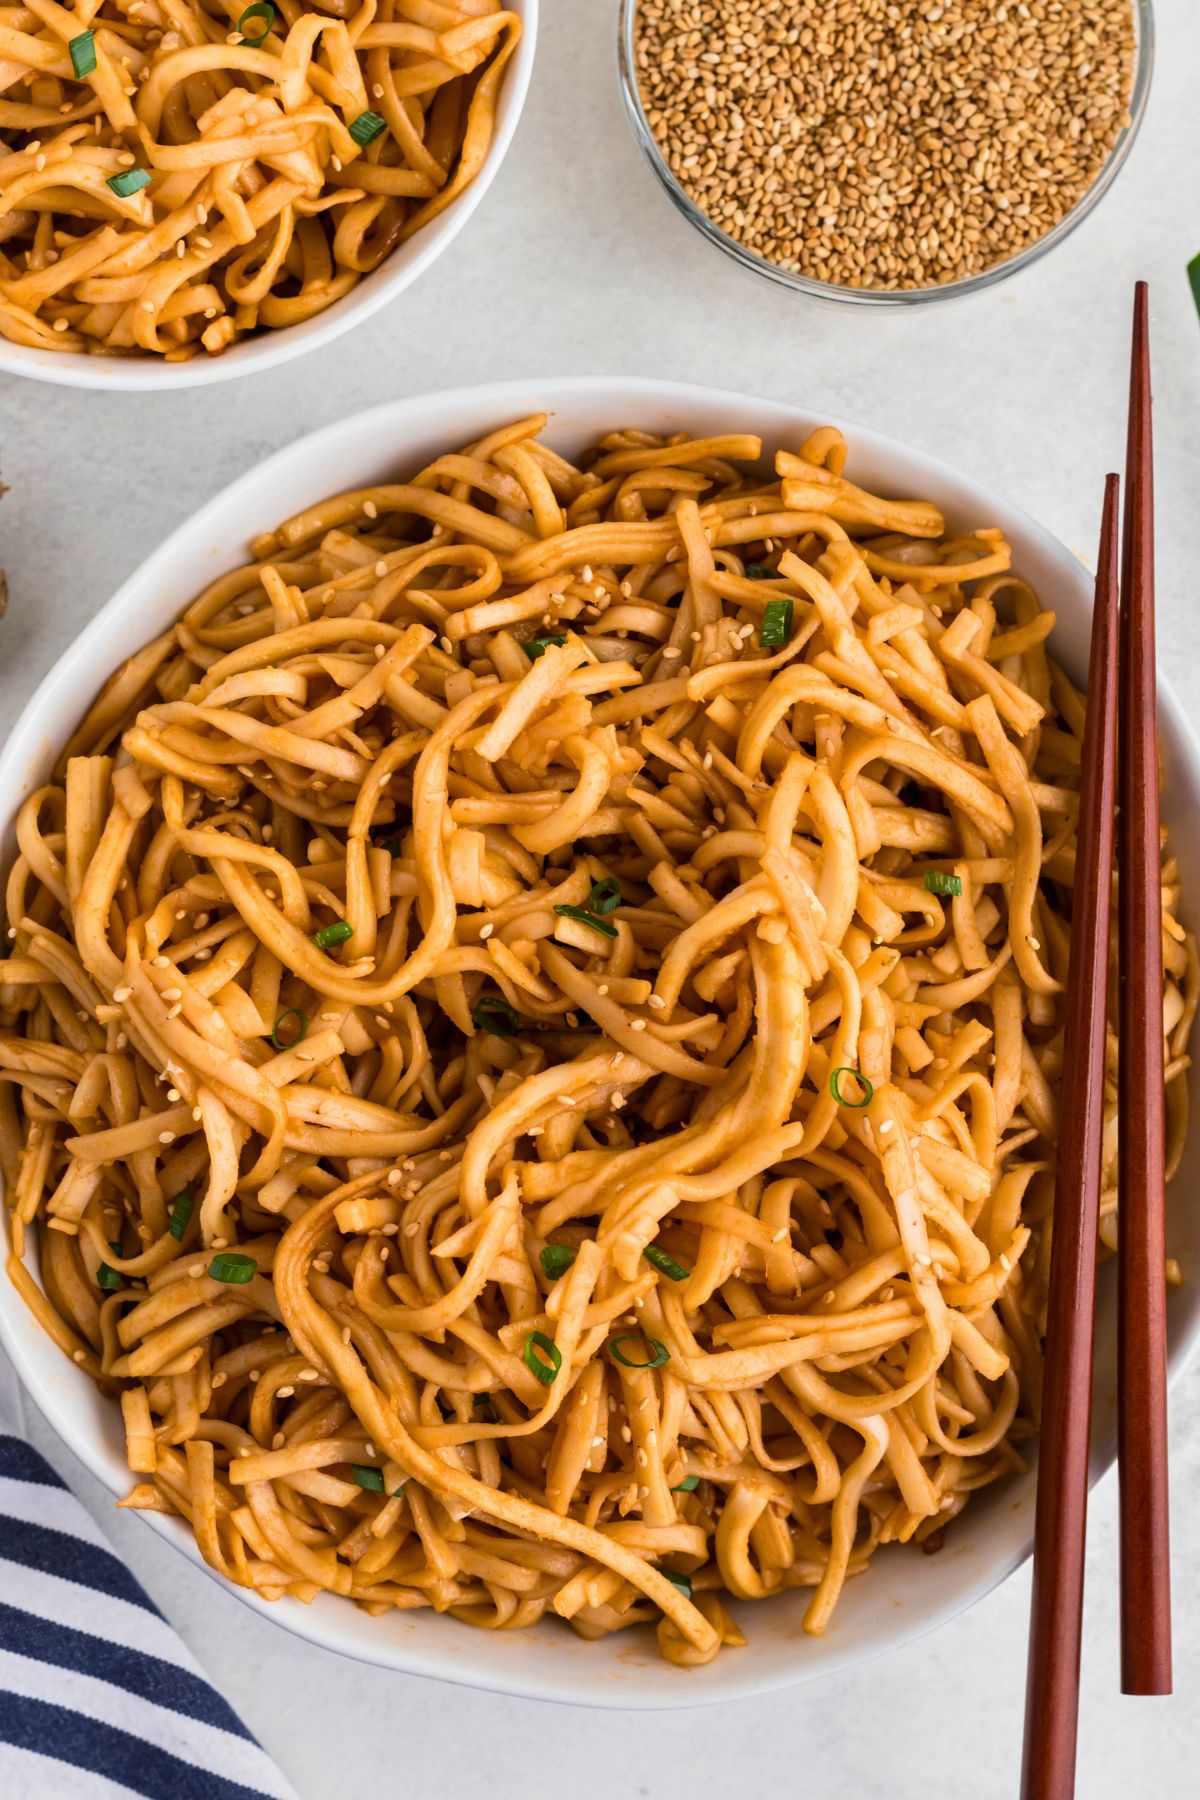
99 1699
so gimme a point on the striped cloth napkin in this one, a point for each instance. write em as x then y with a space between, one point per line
99 1699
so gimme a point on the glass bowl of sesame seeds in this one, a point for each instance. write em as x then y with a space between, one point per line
886 154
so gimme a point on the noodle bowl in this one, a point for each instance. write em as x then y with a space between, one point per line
447 969
176 187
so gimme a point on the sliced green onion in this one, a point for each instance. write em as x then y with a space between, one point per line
366 128
666 1265
129 182
371 1479
586 918
536 646
107 1278
83 54
1193 270
261 10
682 1582
776 624
329 935
181 1216
491 1012
293 1012
605 896
841 1098
937 883
758 572
688 1485
543 1357
233 1267
556 1259
659 1354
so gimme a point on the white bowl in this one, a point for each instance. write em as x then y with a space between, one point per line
150 373
903 1593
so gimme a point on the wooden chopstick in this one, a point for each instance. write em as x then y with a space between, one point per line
1141 1329
1052 1679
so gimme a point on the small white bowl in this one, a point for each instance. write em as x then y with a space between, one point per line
903 1593
152 374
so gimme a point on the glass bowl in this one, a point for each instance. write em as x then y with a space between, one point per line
832 291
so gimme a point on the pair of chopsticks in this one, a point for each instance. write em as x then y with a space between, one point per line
1121 687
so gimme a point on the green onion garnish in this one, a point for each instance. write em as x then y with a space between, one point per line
536 646
83 54
841 1098
129 182
605 896
1193 270
776 624
330 935
546 1366
937 883
682 1582
758 572
586 918
231 1266
181 1215
261 10
107 1278
688 1485
290 1039
556 1259
659 1354
666 1265
366 128
491 1012
372 1479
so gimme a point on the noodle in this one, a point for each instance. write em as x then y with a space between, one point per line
530 1043
181 173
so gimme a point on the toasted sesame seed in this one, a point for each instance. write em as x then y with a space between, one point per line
885 146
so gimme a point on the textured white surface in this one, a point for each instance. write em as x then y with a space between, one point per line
578 265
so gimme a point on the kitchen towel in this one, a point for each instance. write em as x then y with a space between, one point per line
99 1698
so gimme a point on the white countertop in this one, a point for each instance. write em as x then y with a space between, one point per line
576 264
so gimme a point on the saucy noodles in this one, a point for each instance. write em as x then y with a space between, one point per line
183 172
529 1044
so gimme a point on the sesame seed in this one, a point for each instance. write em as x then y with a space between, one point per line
885 146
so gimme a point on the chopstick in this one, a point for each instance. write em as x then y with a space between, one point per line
1141 1327
1052 1679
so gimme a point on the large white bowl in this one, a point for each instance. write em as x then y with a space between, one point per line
903 1593
151 373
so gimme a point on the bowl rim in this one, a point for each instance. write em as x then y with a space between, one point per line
328 1625
834 293
268 349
